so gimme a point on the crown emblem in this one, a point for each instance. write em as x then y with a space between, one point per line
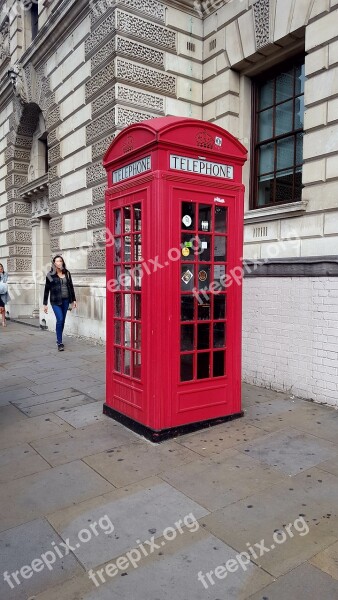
128 145
204 140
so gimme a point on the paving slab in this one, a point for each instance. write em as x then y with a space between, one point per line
83 442
327 561
15 394
290 451
305 582
45 388
311 418
251 395
83 415
36 495
20 461
44 398
21 546
94 389
29 430
10 415
56 405
215 485
132 463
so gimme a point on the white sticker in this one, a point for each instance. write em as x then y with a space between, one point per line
187 276
204 245
187 220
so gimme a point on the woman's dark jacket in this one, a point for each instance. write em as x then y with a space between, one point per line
53 287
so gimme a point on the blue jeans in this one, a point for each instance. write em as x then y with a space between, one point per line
60 313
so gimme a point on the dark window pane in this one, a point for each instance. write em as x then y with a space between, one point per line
137 306
285 153
117 332
137 365
203 365
137 217
117 214
137 247
299 113
126 362
187 277
219 306
126 219
137 274
203 277
187 308
300 79
117 277
203 308
284 118
126 278
265 190
127 334
219 335
188 243
299 149
118 359
219 365
284 183
187 337
204 247
265 127
220 248
117 305
203 336
284 85
137 336
127 306
219 275
127 248
266 158
298 186
187 367
188 215
204 217
266 94
117 249
221 214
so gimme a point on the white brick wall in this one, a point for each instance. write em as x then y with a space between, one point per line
290 335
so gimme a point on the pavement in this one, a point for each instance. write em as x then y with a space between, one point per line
246 510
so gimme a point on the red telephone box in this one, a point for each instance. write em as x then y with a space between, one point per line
174 205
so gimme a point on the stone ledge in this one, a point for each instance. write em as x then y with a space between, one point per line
310 266
271 213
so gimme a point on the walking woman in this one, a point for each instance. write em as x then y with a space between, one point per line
4 295
60 287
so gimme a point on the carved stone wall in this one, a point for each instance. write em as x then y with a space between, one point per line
145 77
261 10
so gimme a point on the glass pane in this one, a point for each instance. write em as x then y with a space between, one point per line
204 217
187 367
204 247
188 243
187 277
284 183
117 305
137 306
117 214
299 149
284 86
117 332
298 186
203 309
137 365
137 274
127 334
127 306
118 359
126 219
300 79
219 307
218 370
221 215
187 337
219 275
127 248
117 249
126 366
203 365
265 125
266 94
137 247
219 335
137 336
117 277
265 191
266 158
285 153
126 278
187 308
284 114
220 248
203 277
299 112
188 215
137 217
203 336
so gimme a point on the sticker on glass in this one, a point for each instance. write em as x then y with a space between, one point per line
205 226
187 220
202 275
187 276
185 251
188 244
204 245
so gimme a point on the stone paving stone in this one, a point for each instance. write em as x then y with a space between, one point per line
10 414
44 398
270 511
131 463
17 394
290 451
95 390
13 382
252 394
306 582
22 545
67 373
36 495
50 407
83 442
309 418
83 415
327 561
215 485
215 439
136 516
257 412
20 461
32 429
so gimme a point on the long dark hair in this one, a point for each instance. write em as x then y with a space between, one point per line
64 268
3 269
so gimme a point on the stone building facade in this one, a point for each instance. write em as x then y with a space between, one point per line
73 73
